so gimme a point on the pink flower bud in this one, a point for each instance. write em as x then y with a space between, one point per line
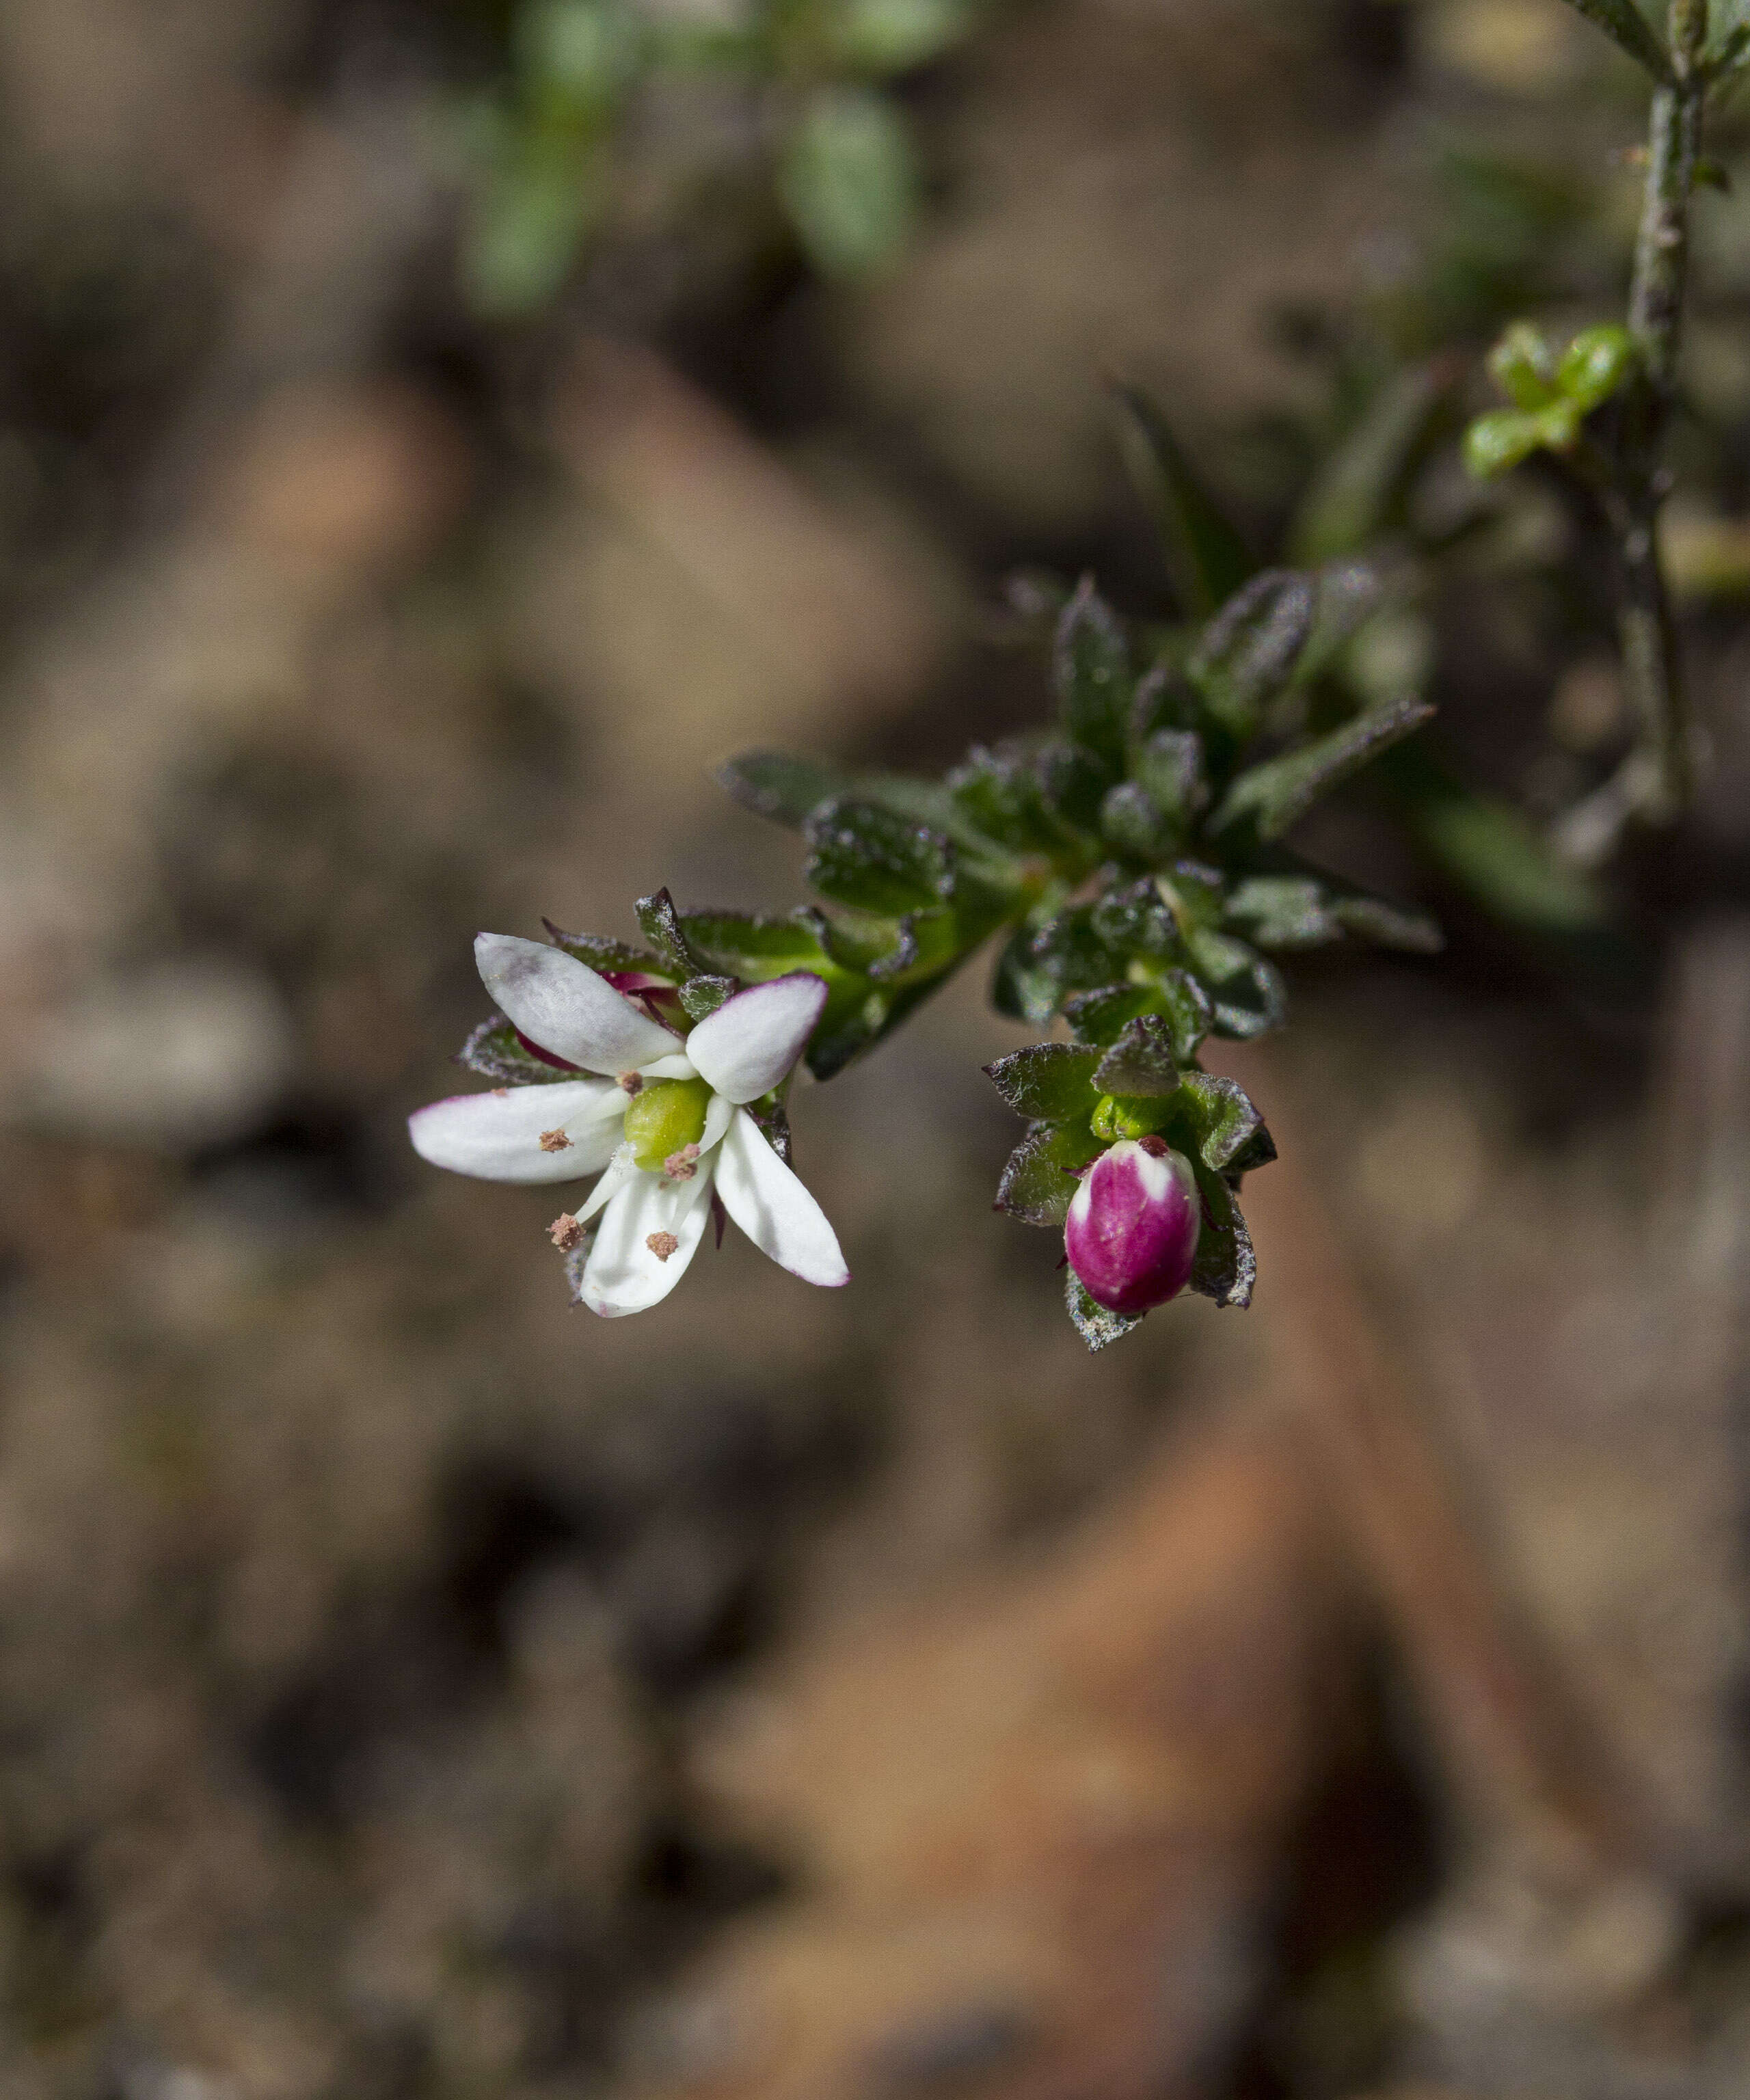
1131 1234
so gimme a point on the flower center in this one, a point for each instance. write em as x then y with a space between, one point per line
664 1116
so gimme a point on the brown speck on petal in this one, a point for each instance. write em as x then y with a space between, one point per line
554 1140
683 1165
629 1083
662 1245
565 1233
501 1093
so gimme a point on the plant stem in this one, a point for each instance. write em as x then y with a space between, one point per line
1654 783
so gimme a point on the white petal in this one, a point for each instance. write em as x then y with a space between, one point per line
497 1135
625 1273
620 1170
753 1039
675 1067
774 1209
562 1004
719 1114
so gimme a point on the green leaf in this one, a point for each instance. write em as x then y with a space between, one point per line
1072 785
1207 559
526 222
1492 848
1092 675
997 793
1622 20
1039 1180
1141 1061
770 1114
702 996
856 1013
1187 1009
753 945
1283 911
1276 796
1047 1082
777 785
1523 366
1388 925
1247 992
1133 823
1170 768
602 954
1349 594
661 928
848 179
1042 964
1225 1268
874 859
1357 493
1100 1016
1097 1326
1732 51
1135 920
1496 442
497 1052
893 36
1229 1133
1247 653
1598 363
1164 699
1193 891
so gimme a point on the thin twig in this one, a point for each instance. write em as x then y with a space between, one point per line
1654 783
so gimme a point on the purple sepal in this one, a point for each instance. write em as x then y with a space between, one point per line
1131 1234
659 997
546 1056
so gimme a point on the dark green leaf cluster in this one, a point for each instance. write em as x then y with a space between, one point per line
1130 1079
1134 856
1134 859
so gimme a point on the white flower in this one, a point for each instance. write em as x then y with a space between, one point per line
655 1203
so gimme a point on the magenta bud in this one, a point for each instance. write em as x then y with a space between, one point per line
1131 1234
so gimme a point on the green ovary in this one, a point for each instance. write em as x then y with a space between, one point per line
1129 1115
663 1116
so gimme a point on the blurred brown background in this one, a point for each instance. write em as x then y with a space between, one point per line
410 1687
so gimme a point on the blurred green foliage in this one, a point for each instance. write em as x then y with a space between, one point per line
792 97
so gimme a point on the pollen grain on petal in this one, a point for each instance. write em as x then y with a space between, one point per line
554 1140
662 1245
565 1233
683 1165
500 1093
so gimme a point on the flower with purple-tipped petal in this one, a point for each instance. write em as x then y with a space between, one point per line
1131 1234
662 1118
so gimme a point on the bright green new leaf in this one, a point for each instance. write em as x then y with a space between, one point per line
1598 363
1523 366
893 36
849 180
